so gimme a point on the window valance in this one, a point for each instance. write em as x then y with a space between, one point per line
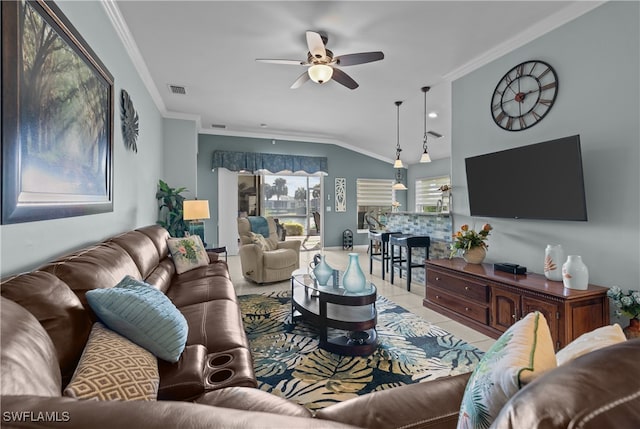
269 162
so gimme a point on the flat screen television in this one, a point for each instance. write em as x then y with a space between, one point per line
537 181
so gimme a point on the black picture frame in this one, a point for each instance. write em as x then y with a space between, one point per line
57 118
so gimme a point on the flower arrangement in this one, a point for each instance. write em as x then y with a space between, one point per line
626 303
466 238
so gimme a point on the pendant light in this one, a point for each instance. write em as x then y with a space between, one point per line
398 186
398 162
425 154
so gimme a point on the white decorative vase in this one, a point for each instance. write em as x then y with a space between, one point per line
553 257
353 280
575 274
475 255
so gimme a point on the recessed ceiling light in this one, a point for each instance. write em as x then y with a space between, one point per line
433 115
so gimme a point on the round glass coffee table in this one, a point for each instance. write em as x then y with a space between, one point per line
346 321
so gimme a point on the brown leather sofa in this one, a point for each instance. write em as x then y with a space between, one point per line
45 324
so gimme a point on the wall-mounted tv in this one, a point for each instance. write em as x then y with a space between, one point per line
537 181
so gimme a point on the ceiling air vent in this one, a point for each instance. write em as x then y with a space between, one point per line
177 89
434 134
221 126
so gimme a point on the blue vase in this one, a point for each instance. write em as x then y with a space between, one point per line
322 271
354 280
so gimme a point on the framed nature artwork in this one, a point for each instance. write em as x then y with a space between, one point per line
57 118
341 194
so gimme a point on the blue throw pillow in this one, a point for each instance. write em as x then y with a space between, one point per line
142 314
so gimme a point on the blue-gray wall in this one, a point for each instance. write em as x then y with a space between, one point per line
26 245
180 153
342 163
597 61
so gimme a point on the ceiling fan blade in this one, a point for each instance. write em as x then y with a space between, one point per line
344 79
301 80
287 62
316 46
361 58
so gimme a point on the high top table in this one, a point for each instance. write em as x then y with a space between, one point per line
408 242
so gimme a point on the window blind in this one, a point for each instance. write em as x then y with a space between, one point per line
374 192
428 191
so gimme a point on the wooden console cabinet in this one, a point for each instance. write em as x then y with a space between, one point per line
491 301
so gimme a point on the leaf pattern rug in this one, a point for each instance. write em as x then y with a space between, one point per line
289 363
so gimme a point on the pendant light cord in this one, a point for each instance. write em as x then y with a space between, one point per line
424 139
398 149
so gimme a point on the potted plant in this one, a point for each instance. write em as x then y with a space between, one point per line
473 244
170 209
629 305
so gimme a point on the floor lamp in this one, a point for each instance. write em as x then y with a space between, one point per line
195 211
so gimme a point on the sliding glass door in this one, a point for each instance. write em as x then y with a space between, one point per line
297 204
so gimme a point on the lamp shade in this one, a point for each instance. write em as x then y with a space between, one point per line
425 157
320 73
399 186
195 209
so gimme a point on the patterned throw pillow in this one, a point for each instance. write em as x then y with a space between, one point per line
112 367
522 353
188 253
261 242
590 341
144 315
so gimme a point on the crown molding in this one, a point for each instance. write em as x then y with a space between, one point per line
122 30
561 17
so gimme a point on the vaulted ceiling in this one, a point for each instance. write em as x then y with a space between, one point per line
210 47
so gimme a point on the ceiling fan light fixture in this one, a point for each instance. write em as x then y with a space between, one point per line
320 73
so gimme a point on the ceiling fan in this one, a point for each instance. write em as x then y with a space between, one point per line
322 64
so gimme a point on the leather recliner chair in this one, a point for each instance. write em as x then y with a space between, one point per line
263 265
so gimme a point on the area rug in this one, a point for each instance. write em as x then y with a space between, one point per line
288 362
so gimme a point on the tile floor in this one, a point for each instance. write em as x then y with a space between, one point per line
397 293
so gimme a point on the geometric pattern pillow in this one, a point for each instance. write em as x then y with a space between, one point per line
112 367
591 341
261 242
144 315
522 353
188 253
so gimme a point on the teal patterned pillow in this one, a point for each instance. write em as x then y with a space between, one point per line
142 314
522 353
187 253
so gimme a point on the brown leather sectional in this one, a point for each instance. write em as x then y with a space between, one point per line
46 323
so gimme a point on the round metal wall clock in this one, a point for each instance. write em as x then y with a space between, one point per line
524 95
129 119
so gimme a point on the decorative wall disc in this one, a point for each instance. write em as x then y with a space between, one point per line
129 118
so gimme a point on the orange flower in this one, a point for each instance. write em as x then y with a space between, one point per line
464 227
487 227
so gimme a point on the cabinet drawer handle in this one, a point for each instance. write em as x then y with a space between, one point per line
513 316
437 296
437 278
466 309
466 288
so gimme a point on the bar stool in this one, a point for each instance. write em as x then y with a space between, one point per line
408 242
383 256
